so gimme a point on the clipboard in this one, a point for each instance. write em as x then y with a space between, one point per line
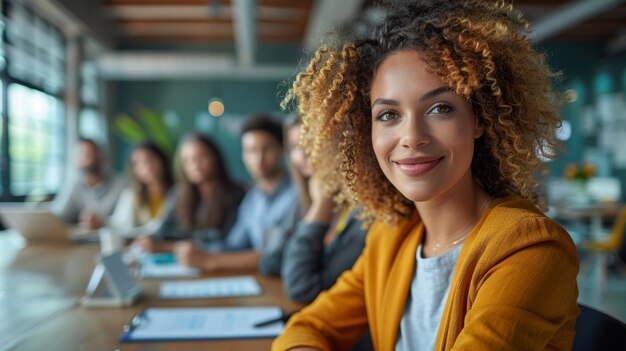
202 323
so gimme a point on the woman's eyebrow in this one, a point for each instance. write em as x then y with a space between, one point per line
383 101
431 94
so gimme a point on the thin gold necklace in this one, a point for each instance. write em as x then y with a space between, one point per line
457 241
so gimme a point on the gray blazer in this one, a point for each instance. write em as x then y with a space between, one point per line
309 267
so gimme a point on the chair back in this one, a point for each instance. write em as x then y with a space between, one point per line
598 331
614 241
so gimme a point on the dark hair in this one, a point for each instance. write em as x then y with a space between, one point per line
189 198
480 50
165 179
264 123
83 140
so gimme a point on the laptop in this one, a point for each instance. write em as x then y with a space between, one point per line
41 224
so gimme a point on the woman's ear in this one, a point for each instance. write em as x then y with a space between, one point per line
479 128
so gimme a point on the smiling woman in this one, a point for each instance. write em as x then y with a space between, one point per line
434 122
423 133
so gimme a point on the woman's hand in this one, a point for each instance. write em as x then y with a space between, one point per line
152 245
321 210
190 255
91 220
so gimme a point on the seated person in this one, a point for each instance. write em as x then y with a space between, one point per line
205 201
326 242
142 204
439 120
266 207
299 170
91 199
317 253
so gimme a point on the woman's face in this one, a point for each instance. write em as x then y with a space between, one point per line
422 132
146 166
197 162
296 154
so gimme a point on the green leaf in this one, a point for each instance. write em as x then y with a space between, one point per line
159 132
129 130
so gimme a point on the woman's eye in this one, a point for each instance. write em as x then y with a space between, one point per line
386 116
441 109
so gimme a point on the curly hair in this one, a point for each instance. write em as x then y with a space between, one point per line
480 50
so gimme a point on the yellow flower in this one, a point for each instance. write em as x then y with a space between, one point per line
579 172
589 170
571 170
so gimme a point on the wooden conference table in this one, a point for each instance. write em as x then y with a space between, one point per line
40 284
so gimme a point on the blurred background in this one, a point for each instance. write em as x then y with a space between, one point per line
120 71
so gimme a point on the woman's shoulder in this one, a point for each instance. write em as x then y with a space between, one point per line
510 209
514 220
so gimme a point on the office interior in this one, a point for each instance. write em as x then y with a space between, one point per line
123 71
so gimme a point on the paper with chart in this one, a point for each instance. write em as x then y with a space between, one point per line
164 266
212 287
205 323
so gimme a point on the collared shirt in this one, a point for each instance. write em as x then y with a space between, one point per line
260 212
81 197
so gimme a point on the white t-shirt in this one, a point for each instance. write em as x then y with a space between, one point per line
426 300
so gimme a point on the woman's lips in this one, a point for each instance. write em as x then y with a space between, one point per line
416 166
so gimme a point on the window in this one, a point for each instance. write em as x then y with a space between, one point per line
36 141
90 122
90 126
32 133
35 50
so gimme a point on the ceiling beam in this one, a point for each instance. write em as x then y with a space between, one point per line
244 15
184 12
166 65
568 16
326 15
166 12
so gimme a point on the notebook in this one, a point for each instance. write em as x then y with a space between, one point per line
213 287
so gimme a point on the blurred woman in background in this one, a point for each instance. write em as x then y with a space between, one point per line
141 205
206 200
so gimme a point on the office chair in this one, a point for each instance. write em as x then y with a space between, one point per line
598 331
607 248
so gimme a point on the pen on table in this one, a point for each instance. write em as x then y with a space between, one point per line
135 322
283 318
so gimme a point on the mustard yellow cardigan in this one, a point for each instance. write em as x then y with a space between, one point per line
513 288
